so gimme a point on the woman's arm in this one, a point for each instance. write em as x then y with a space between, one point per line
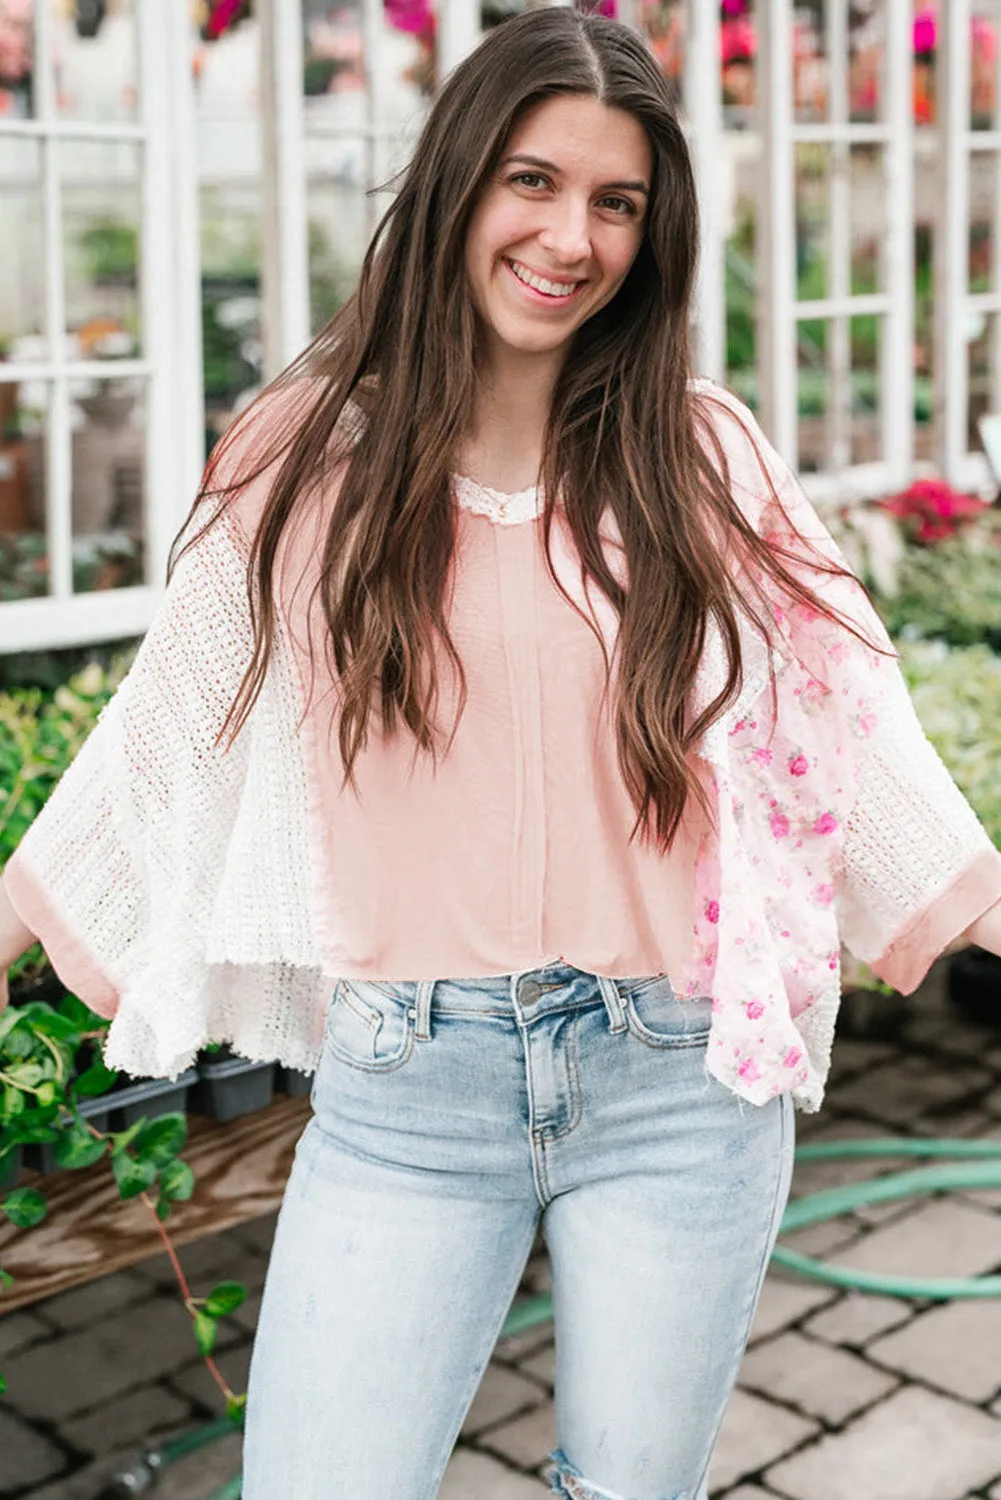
15 938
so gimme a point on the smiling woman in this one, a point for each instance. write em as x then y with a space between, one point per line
500 647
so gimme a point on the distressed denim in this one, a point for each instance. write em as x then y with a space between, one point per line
450 1118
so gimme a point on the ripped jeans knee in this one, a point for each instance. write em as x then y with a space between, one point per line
567 1480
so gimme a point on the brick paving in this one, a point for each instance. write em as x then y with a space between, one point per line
842 1396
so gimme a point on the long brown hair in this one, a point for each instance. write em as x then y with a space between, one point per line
625 431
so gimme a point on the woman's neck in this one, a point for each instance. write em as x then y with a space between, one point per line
503 447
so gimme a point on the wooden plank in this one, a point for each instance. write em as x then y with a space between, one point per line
240 1167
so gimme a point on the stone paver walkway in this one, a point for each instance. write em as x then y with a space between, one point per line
841 1396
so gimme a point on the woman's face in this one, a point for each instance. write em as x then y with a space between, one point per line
558 224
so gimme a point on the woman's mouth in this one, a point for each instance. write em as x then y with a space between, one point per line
542 288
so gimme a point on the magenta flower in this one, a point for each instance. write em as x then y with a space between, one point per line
749 1069
754 1010
411 16
925 33
798 765
712 911
792 1057
823 894
826 823
779 826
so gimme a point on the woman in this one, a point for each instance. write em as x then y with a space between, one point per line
513 745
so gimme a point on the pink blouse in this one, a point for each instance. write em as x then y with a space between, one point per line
514 850
193 892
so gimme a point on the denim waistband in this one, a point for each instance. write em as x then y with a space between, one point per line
526 994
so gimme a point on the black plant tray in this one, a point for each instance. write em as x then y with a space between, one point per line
11 1172
292 1081
120 1108
229 1085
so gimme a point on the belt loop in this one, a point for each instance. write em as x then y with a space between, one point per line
613 1003
422 1013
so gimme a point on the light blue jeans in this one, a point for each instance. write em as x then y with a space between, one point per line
450 1116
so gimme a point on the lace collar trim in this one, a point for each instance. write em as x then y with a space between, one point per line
498 506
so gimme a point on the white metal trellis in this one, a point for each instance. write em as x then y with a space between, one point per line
779 306
170 361
957 309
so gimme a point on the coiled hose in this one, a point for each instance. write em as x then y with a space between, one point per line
970 1165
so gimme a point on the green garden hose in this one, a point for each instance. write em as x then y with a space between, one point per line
973 1164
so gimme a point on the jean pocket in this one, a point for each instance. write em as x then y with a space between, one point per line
659 1018
368 1028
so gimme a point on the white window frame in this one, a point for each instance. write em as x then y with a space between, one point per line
954 303
170 312
779 307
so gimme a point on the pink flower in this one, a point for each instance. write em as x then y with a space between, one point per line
749 1069
826 823
762 755
798 765
867 723
754 1010
792 1057
712 911
779 826
823 894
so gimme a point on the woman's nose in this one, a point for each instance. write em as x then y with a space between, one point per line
566 234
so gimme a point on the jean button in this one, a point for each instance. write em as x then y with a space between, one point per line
530 992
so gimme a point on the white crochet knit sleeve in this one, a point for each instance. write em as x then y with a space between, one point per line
910 838
145 849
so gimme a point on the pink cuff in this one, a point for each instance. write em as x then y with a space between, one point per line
909 957
69 955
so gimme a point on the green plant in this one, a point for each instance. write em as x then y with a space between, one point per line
949 592
50 1060
111 249
40 733
957 695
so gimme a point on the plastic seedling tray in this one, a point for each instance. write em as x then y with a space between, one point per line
149 1097
10 1173
292 1081
120 1108
229 1085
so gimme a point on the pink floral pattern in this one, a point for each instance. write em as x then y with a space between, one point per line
772 963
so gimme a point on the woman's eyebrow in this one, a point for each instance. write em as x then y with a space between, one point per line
548 166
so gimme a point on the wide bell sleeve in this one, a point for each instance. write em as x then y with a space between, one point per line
916 867
166 876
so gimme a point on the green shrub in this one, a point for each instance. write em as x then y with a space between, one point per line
949 592
957 695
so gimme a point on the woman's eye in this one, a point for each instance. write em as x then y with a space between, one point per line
529 179
620 205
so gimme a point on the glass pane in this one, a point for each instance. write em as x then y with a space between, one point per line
231 301
23 554
866 60
741 294
738 55
101 221
984 371
866 394
109 445
868 218
924 40
813 167
811 70
984 169
813 395
227 68
925 419
16 59
22 260
664 23
94 56
338 234
985 28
